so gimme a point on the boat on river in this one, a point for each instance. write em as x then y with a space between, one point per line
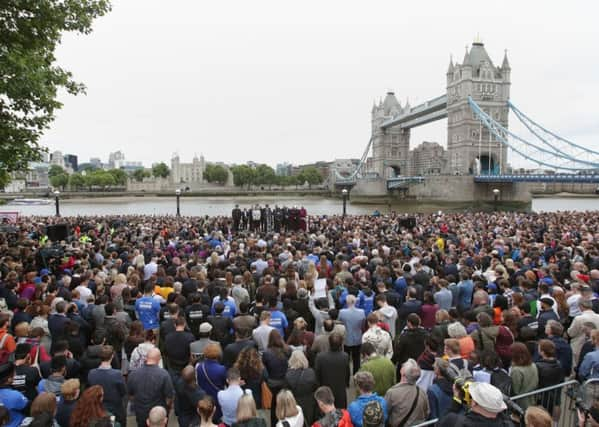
30 202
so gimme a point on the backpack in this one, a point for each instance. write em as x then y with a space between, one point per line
373 415
502 380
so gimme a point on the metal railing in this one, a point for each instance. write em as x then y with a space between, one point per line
559 400
426 423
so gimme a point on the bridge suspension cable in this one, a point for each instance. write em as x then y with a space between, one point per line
539 154
359 167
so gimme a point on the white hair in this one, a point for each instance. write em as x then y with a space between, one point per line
157 417
351 299
411 371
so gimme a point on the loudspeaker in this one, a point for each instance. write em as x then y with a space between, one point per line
57 232
409 222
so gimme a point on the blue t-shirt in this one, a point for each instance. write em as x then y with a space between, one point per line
15 402
229 310
278 320
148 311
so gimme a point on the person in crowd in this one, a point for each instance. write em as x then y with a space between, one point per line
332 369
89 408
440 392
457 331
378 337
353 319
178 346
524 373
11 399
536 416
157 417
550 374
332 416
410 344
69 392
486 409
262 333
188 394
139 355
406 402
381 368
301 380
113 385
243 339
42 411
26 377
288 411
229 397
246 415
369 408
206 412
211 374
150 386
275 360
576 329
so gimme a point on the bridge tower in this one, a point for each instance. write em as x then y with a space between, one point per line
470 148
390 147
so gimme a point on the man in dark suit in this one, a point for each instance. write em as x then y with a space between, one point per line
332 369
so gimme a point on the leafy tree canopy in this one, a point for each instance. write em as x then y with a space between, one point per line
160 170
216 173
30 31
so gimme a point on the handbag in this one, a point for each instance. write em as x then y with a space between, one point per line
266 395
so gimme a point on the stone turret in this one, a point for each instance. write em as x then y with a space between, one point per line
489 88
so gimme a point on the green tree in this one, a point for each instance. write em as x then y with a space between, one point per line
265 175
76 181
59 181
55 170
160 170
311 176
243 175
119 175
140 174
30 31
216 173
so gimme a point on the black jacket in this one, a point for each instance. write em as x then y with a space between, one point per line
550 372
410 345
302 383
332 369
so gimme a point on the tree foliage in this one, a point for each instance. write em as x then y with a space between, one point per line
160 170
30 31
76 181
265 175
140 174
243 175
311 176
119 175
216 173
58 176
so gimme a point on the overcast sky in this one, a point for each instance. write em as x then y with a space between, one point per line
274 81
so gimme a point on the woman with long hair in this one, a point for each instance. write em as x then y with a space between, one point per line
206 411
89 407
135 338
140 353
288 411
246 413
275 362
251 371
43 411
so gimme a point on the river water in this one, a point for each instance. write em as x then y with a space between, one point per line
223 205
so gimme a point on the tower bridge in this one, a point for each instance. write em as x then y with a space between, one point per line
476 104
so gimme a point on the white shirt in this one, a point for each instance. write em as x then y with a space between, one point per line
84 293
572 302
296 421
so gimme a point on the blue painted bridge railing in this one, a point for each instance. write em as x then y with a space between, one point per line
546 178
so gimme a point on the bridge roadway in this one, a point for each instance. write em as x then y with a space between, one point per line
546 178
427 112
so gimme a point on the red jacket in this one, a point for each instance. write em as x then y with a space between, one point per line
345 420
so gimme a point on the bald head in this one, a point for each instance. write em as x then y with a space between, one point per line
157 416
188 374
154 357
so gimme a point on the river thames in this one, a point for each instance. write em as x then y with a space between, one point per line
223 205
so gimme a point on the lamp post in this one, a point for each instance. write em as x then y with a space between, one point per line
56 201
344 195
495 198
178 194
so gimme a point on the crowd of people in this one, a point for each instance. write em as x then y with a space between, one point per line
342 321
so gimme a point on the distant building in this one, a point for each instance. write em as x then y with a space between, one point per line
114 158
70 160
57 158
429 158
187 172
283 169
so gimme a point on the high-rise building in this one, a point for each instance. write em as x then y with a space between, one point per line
114 158
283 169
70 160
